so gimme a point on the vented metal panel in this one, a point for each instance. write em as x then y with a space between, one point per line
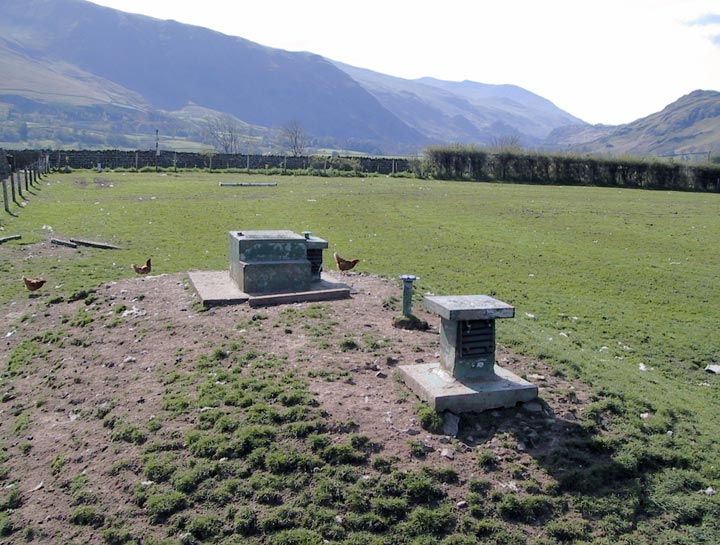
477 338
315 258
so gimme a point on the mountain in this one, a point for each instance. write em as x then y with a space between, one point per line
79 59
688 126
170 65
464 111
76 74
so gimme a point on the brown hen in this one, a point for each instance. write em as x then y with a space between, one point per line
34 284
344 264
142 269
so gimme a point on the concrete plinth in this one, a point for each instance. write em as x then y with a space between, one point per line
216 288
272 277
269 262
443 392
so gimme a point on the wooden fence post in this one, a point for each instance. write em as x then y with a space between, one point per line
6 203
19 186
12 186
27 183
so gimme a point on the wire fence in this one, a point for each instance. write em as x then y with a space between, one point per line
19 184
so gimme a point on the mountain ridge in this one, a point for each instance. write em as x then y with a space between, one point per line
82 59
688 126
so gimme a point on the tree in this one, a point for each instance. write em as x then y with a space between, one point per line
294 138
506 144
224 132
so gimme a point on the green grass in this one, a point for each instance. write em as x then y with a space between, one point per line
605 282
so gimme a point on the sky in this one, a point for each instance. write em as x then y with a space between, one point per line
603 61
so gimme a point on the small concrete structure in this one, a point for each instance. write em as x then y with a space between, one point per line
264 262
466 379
269 268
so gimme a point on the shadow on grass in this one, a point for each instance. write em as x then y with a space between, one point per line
576 464
614 474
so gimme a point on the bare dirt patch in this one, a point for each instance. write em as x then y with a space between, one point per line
116 347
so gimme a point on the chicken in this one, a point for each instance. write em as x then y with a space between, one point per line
34 284
344 264
142 269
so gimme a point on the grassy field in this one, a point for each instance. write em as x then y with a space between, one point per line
616 288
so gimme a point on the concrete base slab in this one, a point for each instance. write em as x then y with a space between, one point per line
443 392
217 288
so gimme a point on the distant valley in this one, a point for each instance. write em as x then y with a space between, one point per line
77 75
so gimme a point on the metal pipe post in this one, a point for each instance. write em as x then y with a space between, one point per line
408 280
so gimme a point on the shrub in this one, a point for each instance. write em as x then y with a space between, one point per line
281 518
363 538
383 465
160 506
303 429
525 509
349 344
117 536
318 442
225 423
392 509
328 492
203 445
282 460
175 403
268 496
417 448
487 460
291 398
87 515
570 530
190 480
205 527
248 439
343 454
429 521
129 434
429 419
297 536
446 475
6 527
458 539
159 469
245 521
13 500
480 486
364 522
219 354
421 488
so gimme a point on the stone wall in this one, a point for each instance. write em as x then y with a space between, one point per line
116 159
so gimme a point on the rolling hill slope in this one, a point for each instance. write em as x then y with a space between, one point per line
464 111
162 66
78 74
688 126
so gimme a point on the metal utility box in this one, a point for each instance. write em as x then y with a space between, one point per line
466 379
265 262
